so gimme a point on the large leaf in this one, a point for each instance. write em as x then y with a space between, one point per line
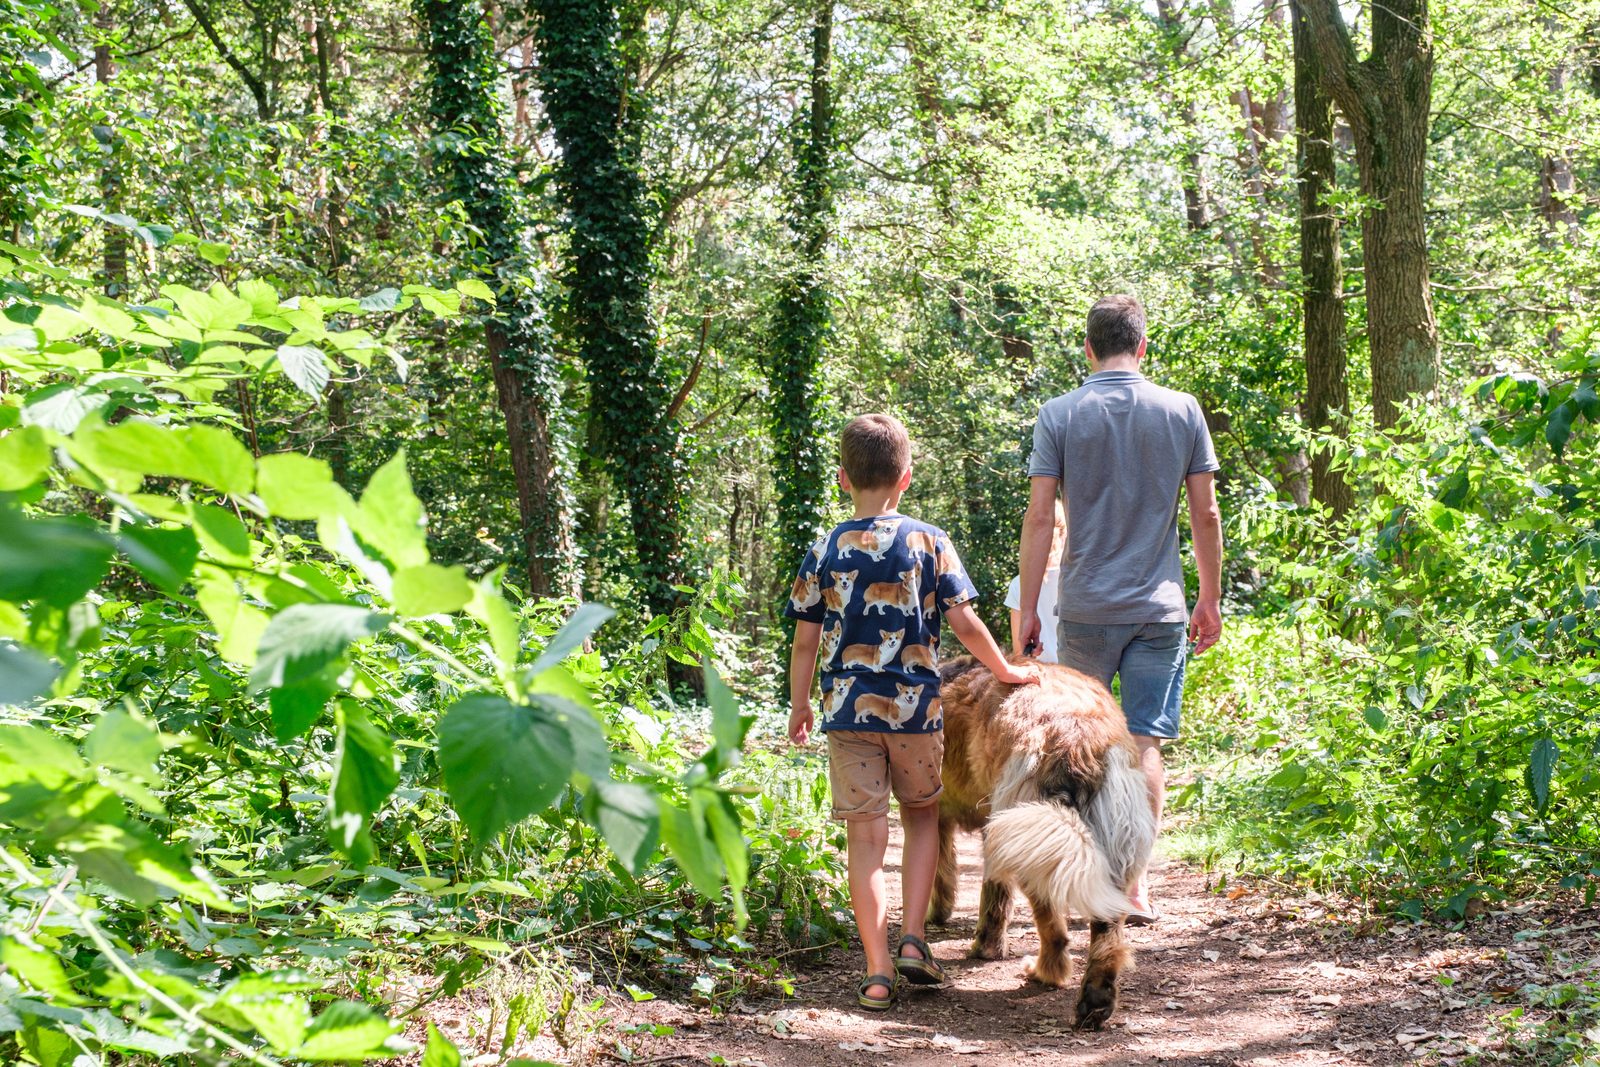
221 534
1541 765
731 845
430 589
24 457
347 1030
728 725
440 1051
54 561
306 367
390 515
627 817
585 621
123 743
689 841
304 638
165 556
296 708
206 454
293 486
365 772
24 674
502 761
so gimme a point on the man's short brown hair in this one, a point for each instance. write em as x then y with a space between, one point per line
874 451
1116 326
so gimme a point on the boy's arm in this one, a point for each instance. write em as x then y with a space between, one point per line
980 642
802 672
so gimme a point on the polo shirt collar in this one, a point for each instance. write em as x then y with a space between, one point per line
1111 376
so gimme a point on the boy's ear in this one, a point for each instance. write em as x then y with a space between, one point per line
844 480
905 481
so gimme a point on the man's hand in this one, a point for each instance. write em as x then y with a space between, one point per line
801 722
1016 674
1205 625
1029 638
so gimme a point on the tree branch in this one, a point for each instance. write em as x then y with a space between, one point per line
257 87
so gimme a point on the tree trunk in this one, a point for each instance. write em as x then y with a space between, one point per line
802 319
464 97
114 253
1327 402
581 74
1385 99
1557 185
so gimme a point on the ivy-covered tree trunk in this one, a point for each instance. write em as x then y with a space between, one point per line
465 109
802 318
1321 269
1385 99
581 74
114 254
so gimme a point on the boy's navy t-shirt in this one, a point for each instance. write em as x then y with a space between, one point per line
878 586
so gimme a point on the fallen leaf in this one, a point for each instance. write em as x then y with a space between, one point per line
1253 951
1211 954
1331 1000
956 1045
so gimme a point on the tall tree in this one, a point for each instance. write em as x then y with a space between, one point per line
803 317
1385 99
114 254
464 105
1321 270
586 91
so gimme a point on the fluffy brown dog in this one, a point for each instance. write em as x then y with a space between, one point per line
1052 774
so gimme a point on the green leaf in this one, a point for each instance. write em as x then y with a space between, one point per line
585 621
123 743
365 772
390 516
502 762
1291 776
627 817
221 534
265 1005
687 840
62 407
489 607
24 457
1376 719
304 638
296 708
306 367
24 674
205 454
293 486
53 561
262 296
165 556
1541 765
39 969
347 1030
213 252
728 726
475 288
384 299
440 1051
430 589
239 625
731 846
1558 425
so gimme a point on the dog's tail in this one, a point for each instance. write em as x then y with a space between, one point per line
1045 848
1120 816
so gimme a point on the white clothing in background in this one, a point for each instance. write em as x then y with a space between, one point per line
1047 610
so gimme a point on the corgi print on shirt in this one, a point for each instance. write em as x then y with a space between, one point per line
879 588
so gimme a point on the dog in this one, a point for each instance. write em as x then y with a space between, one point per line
1052 777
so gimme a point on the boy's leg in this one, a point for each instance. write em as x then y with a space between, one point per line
1152 671
858 774
918 862
867 839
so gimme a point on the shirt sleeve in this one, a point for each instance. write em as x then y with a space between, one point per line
805 598
1045 462
954 587
1014 594
1203 457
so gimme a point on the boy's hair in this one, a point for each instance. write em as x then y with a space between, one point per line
874 451
1116 326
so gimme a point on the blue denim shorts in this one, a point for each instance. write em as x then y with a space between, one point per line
1148 656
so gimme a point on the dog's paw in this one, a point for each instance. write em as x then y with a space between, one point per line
939 914
1051 976
987 949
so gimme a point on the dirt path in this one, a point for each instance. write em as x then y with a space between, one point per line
1249 980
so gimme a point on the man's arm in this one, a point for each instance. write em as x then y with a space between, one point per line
1038 526
1205 523
802 672
980 642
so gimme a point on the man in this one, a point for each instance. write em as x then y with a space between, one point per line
1117 451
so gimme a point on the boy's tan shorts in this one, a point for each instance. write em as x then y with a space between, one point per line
865 766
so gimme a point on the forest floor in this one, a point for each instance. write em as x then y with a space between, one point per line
1247 977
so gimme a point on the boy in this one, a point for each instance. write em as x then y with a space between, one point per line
871 594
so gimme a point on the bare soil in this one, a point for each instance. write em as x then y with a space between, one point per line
1242 977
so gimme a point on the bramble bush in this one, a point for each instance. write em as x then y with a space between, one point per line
251 733
1409 709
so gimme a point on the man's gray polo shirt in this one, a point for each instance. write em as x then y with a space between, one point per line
1121 447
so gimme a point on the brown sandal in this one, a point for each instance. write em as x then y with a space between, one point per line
925 971
877 1003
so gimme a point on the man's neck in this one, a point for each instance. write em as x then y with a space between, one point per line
870 503
1127 363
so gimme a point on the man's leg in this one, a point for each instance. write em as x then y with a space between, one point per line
918 861
1152 670
866 840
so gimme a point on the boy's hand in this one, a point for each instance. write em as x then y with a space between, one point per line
801 722
1014 674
